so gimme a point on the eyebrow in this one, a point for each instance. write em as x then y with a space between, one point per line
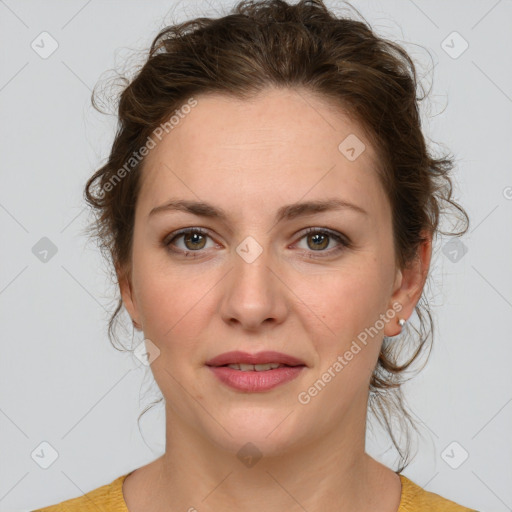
288 212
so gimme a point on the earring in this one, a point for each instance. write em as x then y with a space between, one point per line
401 322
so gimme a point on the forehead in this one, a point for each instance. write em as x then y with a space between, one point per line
281 145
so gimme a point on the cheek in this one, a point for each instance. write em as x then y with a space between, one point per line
342 302
333 305
346 306
174 306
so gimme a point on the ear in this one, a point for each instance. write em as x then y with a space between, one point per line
408 286
126 289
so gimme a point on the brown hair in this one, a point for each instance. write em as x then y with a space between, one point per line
270 43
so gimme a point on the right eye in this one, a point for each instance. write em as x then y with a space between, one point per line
194 240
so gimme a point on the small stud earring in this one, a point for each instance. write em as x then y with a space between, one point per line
401 322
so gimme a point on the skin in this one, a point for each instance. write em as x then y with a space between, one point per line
280 148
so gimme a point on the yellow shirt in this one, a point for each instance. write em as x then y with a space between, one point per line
109 498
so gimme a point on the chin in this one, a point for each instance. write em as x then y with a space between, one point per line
265 432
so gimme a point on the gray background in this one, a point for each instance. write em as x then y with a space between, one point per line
62 382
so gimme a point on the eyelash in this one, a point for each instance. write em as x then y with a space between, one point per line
343 242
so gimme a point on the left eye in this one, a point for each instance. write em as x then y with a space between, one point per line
320 238
194 240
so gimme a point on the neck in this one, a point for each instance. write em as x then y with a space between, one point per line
333 472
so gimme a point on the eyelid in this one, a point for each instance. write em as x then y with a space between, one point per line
166 242
328 231
343 241
185 231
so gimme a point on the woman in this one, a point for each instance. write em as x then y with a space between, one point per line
269 206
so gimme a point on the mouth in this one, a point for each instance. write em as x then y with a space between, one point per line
252 373
256 367
261 361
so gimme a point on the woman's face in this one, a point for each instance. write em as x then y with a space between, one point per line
255 280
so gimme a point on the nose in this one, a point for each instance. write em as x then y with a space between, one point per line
254 295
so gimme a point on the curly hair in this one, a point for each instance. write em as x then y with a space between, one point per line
270 43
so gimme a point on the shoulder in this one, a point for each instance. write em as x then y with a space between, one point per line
416 499
108 497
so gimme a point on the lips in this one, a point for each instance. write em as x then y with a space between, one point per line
260 358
